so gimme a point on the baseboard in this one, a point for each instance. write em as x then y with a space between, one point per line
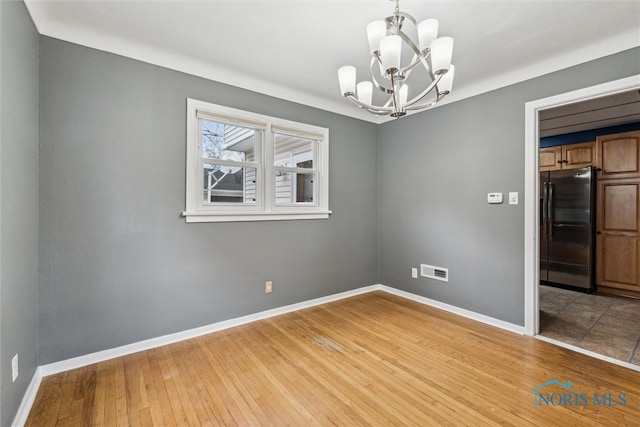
100 356
28 399
455 310
589 353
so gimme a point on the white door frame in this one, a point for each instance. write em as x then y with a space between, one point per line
531 183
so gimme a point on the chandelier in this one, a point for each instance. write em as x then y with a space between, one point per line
431 52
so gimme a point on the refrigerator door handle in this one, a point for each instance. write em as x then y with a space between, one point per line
543 208
550 210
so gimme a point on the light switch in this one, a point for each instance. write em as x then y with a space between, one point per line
513 198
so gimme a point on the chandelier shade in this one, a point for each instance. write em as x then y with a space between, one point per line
376 31
441 50
427 32
387 40
347 77
390 50
365 92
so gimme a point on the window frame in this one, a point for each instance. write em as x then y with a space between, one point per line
294 163
255 164
265 207
293 169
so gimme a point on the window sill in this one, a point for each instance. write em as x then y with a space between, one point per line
252 216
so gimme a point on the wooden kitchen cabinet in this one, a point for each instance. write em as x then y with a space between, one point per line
570 156
619 155
618 214
618 237
550 158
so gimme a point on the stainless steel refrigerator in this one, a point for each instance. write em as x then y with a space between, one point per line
567 221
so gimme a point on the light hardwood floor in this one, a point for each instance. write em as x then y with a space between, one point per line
374 359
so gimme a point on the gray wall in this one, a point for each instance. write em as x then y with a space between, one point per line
436 169
118 263
18 202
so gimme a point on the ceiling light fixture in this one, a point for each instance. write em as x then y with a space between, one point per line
433 53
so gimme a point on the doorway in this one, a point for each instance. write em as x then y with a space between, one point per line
532 214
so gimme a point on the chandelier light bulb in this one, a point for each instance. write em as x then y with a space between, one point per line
347 79
376 31
441 51
427 32
390 47
365 92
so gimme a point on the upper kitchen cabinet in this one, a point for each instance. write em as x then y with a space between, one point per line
619 155
550 158
579 155
570 156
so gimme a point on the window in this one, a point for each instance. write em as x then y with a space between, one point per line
243 166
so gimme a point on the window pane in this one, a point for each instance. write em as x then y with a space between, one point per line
293 151
228 142
294 188
229 184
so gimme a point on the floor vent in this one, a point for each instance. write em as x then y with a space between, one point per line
433 272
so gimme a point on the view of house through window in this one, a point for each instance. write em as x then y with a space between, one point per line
294 162
224 148
243 166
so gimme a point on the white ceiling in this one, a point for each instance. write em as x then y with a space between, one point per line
292 49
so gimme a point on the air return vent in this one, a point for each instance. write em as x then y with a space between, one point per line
433 272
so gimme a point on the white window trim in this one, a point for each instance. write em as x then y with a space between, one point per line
265 208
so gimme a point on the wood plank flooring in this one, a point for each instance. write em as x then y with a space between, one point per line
373 359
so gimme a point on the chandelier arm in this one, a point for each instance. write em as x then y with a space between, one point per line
425 64
422 58
373 77
425 92
377 112
429 104
409 42
370 108
409 17
406 71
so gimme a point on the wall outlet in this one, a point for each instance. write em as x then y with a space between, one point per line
268 287
14 368
414 273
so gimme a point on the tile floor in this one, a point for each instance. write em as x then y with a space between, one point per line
604 324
